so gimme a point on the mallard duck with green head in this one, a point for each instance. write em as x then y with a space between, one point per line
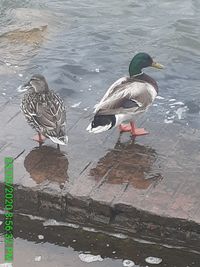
126 98
44 111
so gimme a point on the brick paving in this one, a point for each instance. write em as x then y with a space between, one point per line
152 183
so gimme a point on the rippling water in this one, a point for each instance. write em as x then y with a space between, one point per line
83 46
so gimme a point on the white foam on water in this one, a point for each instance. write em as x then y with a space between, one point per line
168 121
90 258
89 229
97 70
21 89
177 103
72 225
32 217
172 99
153 260
171 117
38 258
120 236
8 264
128 263
20 75
40 237
53 222
159 97
180 112
76 105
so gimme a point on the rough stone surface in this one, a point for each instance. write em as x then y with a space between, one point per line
149 188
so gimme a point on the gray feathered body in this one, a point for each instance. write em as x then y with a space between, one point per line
124 99
45 112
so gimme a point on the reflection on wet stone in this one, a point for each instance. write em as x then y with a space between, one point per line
128 163
47 163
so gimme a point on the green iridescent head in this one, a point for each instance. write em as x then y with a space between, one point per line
140 61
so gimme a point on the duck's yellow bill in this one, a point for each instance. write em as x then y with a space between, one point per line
157 65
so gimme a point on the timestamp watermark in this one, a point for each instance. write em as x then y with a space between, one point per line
8 208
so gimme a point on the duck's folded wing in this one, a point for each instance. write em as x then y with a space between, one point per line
128 97
123 106
50 116
110 91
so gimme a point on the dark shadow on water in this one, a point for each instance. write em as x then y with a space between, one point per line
129 163
47 163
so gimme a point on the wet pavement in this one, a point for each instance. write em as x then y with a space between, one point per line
147 188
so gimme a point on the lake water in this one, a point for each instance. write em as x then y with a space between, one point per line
83 46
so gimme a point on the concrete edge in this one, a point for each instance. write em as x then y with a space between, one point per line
99 214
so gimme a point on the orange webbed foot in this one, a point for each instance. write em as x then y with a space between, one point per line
39 138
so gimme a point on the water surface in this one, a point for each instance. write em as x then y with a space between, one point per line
82 47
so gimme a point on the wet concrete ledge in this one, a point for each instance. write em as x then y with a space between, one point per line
148 189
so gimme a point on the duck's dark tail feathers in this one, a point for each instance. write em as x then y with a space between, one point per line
101 123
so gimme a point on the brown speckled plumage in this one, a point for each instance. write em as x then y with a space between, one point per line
44 110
